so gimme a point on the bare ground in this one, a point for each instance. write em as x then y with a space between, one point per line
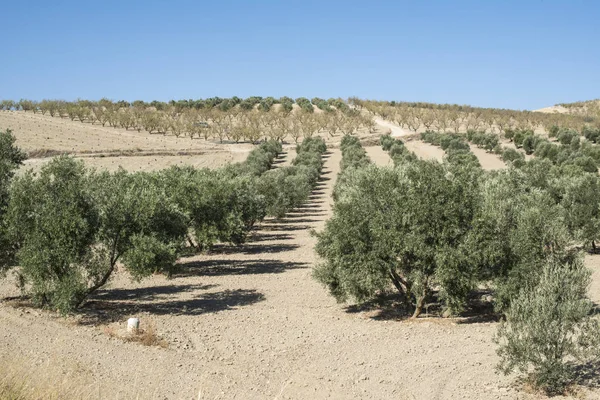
488 161
251 323
214 159
425 150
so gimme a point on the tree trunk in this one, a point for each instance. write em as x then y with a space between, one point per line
419 306
97 286
421 300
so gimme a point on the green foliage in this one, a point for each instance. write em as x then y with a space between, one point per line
566 136
548 325
529 143
456 147
149 254
590 133
553 131
305 104
488 141
288 187
11 157
52 222
312 145
517 226
399 228
396 149
386 142
217 206
519 136
513 157
70 227
579 197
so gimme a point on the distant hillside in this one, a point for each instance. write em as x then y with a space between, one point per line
589 108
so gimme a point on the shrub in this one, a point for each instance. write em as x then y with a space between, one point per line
386 141
566 136
553 131
399 228
217 206
288 187
70 227
517 226
513 157
11 157
400 154
590 133
548 325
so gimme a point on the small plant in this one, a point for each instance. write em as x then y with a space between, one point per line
548 325
147 337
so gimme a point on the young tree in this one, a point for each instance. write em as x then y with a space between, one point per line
548 325
580 199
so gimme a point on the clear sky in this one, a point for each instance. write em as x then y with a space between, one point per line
510 54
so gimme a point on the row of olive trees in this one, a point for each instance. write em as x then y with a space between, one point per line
234 123
67 227
437 231
454 118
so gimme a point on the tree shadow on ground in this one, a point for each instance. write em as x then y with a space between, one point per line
253 248
479 308
148 293
310 206
108 309
588 375
313 198
292 220
385 307
235 267
305 213
390 306
267 237
278 227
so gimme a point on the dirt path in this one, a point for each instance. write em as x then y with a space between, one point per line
425 150
396 130
251 323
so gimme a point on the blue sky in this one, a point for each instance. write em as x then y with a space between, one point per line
510 54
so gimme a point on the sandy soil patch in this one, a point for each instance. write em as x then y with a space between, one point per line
396 131
424 150
379 156
149 163
488 161
35 131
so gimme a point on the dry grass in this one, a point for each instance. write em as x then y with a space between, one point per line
19 381
146 336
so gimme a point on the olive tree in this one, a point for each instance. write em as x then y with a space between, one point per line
11 157
549 325
517 226
400 228
69 228
580 199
